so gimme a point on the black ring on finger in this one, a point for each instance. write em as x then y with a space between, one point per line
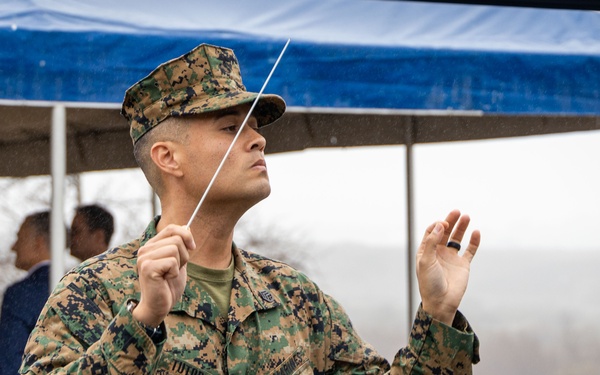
454 245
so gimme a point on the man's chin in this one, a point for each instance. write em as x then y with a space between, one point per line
262 194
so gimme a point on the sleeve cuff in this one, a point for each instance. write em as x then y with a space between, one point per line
127 347
453 341
435 345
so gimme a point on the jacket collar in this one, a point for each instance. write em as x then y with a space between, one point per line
249 291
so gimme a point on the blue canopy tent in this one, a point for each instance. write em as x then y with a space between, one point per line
357 72
470 71
375 66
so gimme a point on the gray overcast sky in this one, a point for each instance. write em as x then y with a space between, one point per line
536 192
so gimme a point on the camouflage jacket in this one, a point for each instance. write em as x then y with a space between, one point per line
279 322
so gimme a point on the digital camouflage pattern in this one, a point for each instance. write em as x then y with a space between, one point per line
279 322
205 79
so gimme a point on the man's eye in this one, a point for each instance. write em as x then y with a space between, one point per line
235 128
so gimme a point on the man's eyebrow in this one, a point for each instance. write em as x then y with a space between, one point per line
227 112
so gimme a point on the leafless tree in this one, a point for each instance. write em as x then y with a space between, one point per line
269 240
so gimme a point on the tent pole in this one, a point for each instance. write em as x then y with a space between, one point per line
409 141
58 159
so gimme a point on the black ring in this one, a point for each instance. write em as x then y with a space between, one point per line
453 244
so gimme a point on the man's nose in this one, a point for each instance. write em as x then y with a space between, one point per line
258 141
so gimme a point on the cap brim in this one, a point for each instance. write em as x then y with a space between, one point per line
269 108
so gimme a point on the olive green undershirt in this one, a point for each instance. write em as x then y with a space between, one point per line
217 283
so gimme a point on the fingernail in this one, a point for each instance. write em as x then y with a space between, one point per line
437 228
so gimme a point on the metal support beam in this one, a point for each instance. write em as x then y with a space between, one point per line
410 255
58 156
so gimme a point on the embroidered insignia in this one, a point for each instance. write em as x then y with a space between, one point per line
266 296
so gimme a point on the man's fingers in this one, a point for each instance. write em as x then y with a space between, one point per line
160 268
451 219
172 235
430 229
167 250
453 229
172 230
432 238
167 268
170 249
460 229
152 250
428 232
473 246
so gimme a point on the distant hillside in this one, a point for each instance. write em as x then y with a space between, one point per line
535 312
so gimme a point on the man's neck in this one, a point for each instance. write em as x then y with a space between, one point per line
37 265
212 234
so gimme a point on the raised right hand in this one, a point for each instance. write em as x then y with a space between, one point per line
162 273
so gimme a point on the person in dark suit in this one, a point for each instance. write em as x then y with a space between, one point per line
24 300
91 231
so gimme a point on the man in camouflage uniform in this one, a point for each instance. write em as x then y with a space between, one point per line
183 300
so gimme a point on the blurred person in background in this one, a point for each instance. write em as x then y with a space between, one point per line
24 300
91 231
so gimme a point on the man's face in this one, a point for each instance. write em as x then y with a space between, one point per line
26 246
81 236
243 178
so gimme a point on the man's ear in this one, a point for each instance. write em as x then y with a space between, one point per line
38 239
42 242
98 236
166 157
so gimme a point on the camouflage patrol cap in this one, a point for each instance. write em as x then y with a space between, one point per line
203 80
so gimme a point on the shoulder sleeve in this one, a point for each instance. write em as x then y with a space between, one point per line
438 348
433 348
77 333
348 352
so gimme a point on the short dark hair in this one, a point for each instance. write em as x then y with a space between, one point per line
97 217
40 221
